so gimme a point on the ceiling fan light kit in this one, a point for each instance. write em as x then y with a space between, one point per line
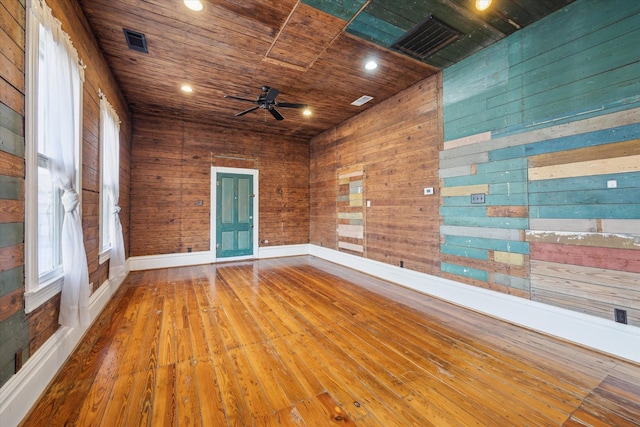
267 101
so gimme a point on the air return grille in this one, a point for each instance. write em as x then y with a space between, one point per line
426 38
135 40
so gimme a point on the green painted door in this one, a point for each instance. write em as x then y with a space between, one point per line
234 215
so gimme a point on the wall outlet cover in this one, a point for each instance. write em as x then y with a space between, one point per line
477 198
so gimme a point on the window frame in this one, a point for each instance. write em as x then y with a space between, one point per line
106 204
39 289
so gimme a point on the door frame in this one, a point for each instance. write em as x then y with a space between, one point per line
214 210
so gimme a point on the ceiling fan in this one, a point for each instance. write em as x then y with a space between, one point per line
267 101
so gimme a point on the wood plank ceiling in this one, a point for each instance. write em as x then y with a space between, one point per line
313 51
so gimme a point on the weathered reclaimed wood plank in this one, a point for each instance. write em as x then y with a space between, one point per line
600 240
464 190
586 168
588 256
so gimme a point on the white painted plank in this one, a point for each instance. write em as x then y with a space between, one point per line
351 246
467 140
455 171
623 226
556 224
482 232
354 231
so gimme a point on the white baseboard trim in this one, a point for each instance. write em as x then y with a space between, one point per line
590 331
20 393
283 251
151 262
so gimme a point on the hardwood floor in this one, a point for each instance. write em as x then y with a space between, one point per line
303 342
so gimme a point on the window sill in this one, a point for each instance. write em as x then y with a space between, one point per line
48 290
104 256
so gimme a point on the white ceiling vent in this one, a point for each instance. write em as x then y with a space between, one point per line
362 100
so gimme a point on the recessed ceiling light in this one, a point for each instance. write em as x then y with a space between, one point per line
371 65
306 112
194 5
362 100
186 88
483 4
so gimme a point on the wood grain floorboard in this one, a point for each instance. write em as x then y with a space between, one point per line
303 342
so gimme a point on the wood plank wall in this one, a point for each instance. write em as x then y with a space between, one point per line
551 136
396 143
172 162
14 331
22 335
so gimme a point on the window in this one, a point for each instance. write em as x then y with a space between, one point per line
109 170
53 104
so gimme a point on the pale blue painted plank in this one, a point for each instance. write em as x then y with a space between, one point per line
481 254
588 139
10 280
491 244
517 199
508 188
11 233
460 270
511 281
10 119
610 211
586 197
507 153
474 211
519 175
500 222
594 182
501 166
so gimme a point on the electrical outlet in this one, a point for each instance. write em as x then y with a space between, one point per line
428 191
620 315
477 198
612 183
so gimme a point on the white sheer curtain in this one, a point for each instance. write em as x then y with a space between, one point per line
110 129
59 92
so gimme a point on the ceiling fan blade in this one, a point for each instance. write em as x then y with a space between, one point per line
276 114
242 113
290 105
240 99
271 94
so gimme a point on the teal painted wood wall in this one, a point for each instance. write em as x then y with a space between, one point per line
580 61
546 123
14 332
